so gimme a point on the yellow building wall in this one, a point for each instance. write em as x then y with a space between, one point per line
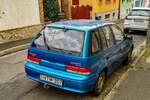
98 7
86 2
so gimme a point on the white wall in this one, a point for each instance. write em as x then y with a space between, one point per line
18 13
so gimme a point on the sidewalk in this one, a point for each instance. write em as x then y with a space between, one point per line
11 47
136 86
8 45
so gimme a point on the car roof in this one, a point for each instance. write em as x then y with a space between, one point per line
82 24
142 8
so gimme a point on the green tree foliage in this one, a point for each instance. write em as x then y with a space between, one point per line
51 10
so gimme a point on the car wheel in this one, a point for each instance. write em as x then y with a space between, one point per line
99 84
126 31
129 58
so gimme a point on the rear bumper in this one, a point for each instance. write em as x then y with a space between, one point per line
135 27
71 82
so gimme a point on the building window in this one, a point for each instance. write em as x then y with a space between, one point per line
100 2
107 16
114 14
98 17
75 2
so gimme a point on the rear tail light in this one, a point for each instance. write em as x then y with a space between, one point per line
77 70
33 59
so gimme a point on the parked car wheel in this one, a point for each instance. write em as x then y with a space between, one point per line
126 31
99 84
129 58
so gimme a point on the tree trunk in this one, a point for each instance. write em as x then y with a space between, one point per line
119 9
148 38
41 11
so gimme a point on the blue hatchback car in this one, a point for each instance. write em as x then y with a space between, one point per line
77 55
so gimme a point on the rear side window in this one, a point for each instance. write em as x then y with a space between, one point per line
60 40
109 36
95 45
103 39
117 33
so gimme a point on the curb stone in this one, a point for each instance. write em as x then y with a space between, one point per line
124 76
13 49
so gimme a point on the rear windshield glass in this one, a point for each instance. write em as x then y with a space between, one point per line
139 12
60 40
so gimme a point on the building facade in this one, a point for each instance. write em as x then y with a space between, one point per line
146 3
137 3
125 7
92 9
20 13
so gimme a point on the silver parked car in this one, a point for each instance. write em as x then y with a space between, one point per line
137 19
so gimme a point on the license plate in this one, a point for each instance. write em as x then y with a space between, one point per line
138 20
51 80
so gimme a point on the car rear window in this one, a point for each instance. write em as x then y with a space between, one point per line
139 12
60 40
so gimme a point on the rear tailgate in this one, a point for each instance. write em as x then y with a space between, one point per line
137 20
55 60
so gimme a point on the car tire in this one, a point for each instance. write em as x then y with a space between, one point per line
99 84
126 31
129 58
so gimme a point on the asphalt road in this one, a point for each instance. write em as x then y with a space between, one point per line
15 86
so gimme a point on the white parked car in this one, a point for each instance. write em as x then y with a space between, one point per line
137 19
